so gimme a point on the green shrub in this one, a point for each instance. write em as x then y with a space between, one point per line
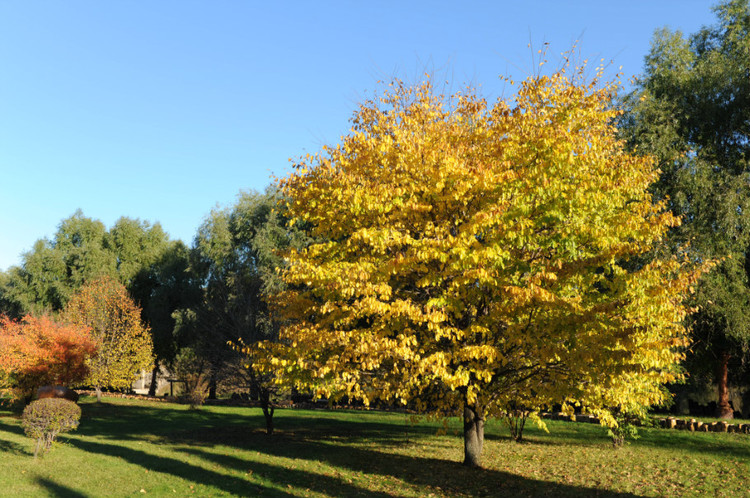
44 419
626 429
191 369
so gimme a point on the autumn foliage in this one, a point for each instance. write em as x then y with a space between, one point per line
474 259
37 351
123 341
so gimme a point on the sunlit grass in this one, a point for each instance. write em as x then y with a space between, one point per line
130 447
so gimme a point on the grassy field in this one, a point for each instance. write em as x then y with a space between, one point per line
128 447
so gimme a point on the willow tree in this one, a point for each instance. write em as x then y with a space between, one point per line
691 110
236 255
475 257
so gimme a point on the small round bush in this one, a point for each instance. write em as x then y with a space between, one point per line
44 419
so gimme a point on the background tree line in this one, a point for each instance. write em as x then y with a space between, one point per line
194 299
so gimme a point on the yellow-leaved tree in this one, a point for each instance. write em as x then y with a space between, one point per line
123 342
475 259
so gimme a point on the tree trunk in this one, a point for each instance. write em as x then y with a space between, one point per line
268 409
212 386
154 373
98 394
723 410
473 435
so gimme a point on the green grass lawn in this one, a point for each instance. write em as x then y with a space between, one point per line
128 447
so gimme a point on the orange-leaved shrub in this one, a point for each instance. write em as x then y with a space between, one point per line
37 351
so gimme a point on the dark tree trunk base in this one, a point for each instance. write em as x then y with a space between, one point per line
473 436
154 374
723 408
268 409
212 387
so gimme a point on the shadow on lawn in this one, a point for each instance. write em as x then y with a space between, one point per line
568 433
577 434
123 421
427 474
321 437
177 468
175 423
11 446
327 438
58 490
725 445
450 477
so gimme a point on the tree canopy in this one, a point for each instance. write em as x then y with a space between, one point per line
691 110
81 250
474 257
235 259
123 342
162 288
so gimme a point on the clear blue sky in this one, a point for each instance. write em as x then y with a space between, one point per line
161 110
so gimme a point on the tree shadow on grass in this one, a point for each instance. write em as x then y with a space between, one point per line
724 445
340 440
123 421
327 439
719 444
426 474
384 435
133 421
172 466
11 447
577 434
229 484
12 428
58 490
586 437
